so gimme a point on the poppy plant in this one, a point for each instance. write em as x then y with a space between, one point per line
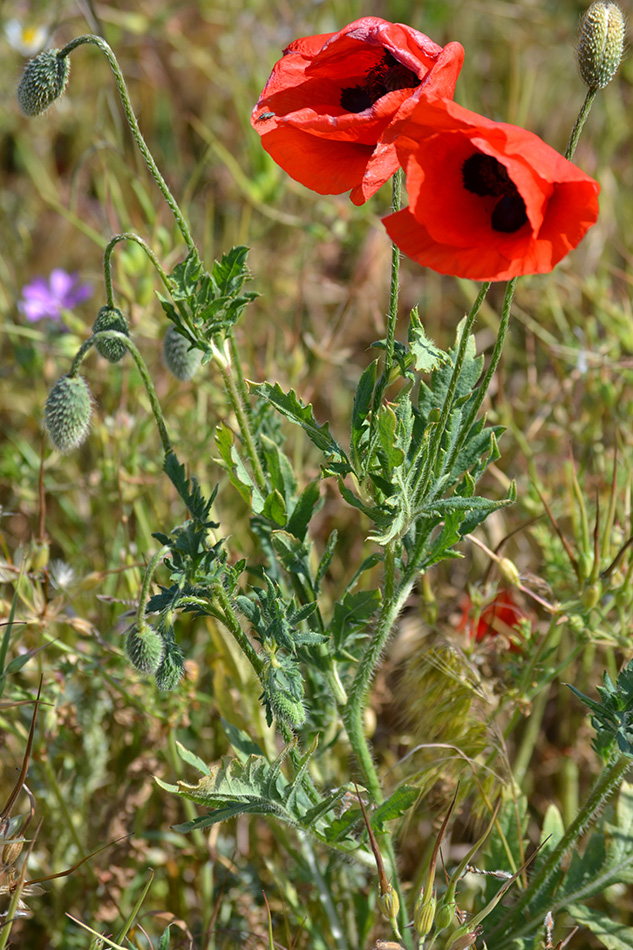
328 101
487 200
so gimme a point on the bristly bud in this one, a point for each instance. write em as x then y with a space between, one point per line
601 44
180 359
67 413
144 648
170 671
286 708
111 318
43 81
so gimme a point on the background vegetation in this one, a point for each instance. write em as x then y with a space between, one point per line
78 528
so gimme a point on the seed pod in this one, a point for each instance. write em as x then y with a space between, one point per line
170 671
180 359
144 648
43 81
67 413
111 318
600 44
11 852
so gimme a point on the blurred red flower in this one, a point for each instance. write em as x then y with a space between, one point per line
487 200
324 109
502 615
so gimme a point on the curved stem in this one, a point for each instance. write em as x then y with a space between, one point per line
232 624
142 368
143 596
98 41
107 262
580 121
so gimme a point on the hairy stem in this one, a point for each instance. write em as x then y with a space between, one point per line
107 262
98 41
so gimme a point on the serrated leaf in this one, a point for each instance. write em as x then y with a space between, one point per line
292 553
426 355
279 469
326 560
290 406
394 807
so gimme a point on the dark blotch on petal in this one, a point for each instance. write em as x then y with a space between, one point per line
355 99
509 214
483 175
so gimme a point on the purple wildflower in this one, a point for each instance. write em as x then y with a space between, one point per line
48 298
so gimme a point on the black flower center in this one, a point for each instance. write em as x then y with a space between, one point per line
382 78
483 175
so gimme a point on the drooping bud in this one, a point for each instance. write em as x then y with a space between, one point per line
43 81
600 44
180 359
67 413
170 671
144 648
111 318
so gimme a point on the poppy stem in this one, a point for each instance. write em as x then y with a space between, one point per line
107 262
580 121
98 41
392 318
482 389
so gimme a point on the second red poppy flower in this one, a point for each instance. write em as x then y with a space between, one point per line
330 98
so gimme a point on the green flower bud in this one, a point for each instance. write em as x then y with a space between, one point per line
389 903
111 318
170 671
43 81
591 595
601 44
179 358
144 648
67 413
286 708
509 571
444 916
424 914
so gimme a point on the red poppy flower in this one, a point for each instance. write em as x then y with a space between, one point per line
487 200
328 101
502 614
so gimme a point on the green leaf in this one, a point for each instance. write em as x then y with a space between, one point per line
241 742
307 503
163 943
426 355
275 508
612 935
394 807
293 553
279 469
192 759
237 471
362 404
552 831
290 406
326 560
352 615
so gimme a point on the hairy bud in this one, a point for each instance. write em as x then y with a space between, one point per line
171 669
111 318
179 358
286 708
67 413
601 44
144 648
43 81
